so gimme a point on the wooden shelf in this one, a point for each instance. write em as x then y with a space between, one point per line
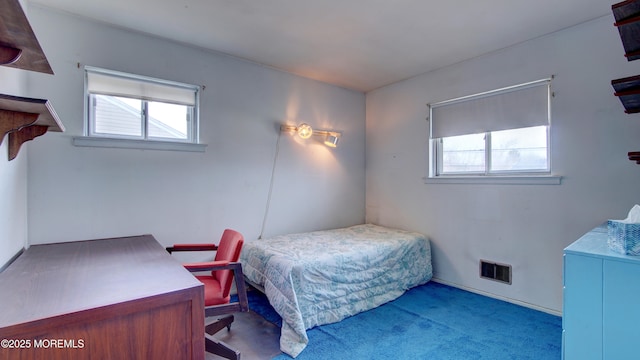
25 119
630 35
626 9
628 91
627 15
19 47
22 118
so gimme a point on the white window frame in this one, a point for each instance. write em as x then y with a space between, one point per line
435 174
172 92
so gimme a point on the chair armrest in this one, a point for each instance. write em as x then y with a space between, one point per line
207 265
192 247
243 302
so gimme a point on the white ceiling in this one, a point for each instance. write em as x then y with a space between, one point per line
357 44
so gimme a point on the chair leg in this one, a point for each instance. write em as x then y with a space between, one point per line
218 347
219 325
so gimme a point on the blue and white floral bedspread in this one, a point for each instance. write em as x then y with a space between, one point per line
323 277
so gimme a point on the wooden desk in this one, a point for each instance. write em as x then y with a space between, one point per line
122 298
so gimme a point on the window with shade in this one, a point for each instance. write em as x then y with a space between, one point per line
495 133
127 106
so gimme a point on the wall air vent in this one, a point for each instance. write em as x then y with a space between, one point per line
494 271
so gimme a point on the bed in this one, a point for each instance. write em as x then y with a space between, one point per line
322 277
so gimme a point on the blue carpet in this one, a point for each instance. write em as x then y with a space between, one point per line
259 303
432 321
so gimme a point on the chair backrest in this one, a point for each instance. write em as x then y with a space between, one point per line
228 250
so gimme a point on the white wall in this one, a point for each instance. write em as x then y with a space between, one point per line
526 226
13 180
82 193
13 177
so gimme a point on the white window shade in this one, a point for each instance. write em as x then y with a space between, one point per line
114 85
509 108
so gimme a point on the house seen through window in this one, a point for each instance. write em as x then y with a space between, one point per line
501 132
126 106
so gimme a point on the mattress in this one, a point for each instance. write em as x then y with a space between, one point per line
323 277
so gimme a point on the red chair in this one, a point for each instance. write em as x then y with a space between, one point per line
217 287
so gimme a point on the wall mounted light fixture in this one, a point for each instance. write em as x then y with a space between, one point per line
305 131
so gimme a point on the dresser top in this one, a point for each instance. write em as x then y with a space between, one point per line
594 243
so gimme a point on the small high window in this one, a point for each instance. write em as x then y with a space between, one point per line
496 133
127 106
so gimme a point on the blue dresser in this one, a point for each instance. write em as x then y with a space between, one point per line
601 301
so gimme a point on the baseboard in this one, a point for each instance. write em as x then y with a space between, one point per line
3 267
503 298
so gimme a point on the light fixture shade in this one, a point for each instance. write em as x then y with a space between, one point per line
332 140
304 131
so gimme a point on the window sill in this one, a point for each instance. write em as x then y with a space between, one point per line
497 180
86 141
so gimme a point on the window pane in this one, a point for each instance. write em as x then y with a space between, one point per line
117 116
123 105
519 149
463 154
168 120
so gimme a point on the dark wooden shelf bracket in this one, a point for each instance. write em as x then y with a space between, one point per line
9 55
18 114
11 121
17 138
